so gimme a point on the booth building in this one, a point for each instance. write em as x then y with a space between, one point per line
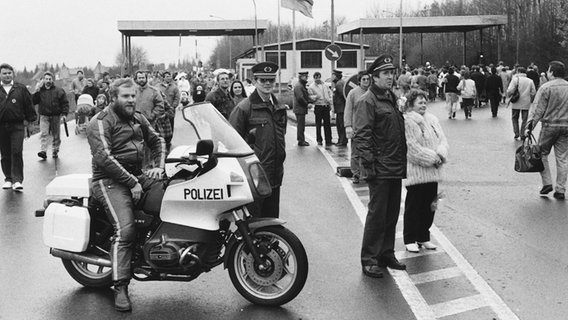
308 56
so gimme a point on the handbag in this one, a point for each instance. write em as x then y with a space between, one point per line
528 157
516 94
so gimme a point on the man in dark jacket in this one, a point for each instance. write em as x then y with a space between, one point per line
339 106
117 137
220 97
261 114
301 101
494 90
381 144
479 79
16 112
53 108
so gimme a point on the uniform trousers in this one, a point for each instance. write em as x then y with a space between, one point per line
341 135
301 126
380 225
267 207
11 148
418 213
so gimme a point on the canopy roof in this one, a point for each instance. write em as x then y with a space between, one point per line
146 28
440 24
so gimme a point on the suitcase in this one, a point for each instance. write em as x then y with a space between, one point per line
344 171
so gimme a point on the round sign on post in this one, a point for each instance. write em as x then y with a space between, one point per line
332 52
350 84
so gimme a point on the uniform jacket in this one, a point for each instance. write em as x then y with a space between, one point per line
149 102
426 143
526 89
117 146
52 101
551 104
221 101
270 125
380 139
16 105
338 97
301 98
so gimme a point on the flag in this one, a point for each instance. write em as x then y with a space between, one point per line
304 6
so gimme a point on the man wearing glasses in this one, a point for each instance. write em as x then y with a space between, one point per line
263 116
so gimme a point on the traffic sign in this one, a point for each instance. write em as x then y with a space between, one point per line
332 52
350 84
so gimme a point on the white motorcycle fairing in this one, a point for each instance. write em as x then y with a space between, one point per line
199 202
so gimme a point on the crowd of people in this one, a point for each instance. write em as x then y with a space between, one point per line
393 136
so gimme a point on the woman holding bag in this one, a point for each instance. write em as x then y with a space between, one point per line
427 152
527 91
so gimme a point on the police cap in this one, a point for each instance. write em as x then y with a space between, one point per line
264 70
383 62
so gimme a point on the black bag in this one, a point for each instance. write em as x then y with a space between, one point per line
516 94
528 157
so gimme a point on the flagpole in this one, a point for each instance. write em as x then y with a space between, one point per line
332 31
278 39
294 43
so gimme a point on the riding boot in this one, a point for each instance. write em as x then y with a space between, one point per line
121 299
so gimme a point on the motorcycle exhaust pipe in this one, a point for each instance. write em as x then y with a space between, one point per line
81 257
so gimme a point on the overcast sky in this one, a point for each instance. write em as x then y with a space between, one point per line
81 33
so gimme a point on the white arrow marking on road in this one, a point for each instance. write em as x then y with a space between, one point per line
333 53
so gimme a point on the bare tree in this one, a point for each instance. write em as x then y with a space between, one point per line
139 57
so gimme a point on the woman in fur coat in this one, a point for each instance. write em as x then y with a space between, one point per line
427 152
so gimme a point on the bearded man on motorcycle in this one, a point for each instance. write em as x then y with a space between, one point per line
117 137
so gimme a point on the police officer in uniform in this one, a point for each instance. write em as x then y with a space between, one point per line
381 144
262 115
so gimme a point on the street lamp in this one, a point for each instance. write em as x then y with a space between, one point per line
230 51
255 42
399 35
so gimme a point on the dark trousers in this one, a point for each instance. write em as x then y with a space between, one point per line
11 148
267 207
494 100
322 115
380 224
301 123
418 214
515 118
340 123
116 198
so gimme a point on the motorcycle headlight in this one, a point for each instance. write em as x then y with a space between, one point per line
260 180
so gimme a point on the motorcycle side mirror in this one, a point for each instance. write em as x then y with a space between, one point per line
204 148
251 137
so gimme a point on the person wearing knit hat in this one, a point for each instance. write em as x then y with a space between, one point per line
378 119
85 107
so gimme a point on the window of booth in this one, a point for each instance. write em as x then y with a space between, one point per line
272 57
348 60
311 59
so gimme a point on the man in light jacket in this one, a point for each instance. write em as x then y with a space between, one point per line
551 109
322 102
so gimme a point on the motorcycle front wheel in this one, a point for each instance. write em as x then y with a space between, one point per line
280 277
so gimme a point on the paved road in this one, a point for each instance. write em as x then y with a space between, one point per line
36 285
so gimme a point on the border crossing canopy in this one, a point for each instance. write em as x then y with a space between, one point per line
177 28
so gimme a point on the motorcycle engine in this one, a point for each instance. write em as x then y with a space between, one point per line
165 254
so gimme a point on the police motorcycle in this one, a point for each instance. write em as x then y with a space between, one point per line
198 220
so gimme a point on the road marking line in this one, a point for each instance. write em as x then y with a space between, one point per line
403 254
460 305
492 298
436 275
415 300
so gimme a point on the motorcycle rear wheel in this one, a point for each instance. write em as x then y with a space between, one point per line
287 269
89 275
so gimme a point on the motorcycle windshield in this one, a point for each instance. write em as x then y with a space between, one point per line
202 121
